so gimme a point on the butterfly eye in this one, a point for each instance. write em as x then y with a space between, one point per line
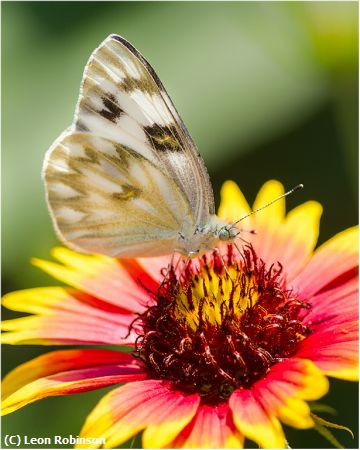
224 234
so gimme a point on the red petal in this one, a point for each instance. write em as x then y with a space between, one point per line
65 316
212 427
253 421
67 372
331 261
279 395
115 282
151 405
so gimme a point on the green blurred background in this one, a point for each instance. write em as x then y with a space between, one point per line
267 90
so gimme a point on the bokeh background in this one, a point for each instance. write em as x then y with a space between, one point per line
267 90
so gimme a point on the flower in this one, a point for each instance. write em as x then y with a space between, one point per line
237 346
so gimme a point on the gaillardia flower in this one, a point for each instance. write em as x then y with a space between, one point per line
219 351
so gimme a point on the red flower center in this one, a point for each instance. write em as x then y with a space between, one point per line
217 330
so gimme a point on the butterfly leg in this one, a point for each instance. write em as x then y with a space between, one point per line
167 271
242 230
237 248
217 251
177 264
239 251
189 256
244 240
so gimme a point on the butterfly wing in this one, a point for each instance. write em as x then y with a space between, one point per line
106 198
123 99
98 174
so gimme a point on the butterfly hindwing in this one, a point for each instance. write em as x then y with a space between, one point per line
106 198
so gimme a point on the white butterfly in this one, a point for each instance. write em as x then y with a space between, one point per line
126 178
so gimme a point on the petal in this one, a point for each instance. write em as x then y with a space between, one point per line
67 372
274 214
333 259
108 279
151 405
157 268
233 205
280 395
154 266
291 241
212 427
333 320
253 421
299 236
65 316
289 383
333 306
334 349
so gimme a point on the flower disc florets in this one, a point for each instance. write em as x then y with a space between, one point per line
216 329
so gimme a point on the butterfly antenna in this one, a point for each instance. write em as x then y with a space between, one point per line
294 189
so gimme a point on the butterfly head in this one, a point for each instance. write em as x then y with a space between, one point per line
228 233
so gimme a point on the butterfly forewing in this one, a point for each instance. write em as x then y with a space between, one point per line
125 179
123 99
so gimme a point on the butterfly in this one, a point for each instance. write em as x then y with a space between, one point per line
126 179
